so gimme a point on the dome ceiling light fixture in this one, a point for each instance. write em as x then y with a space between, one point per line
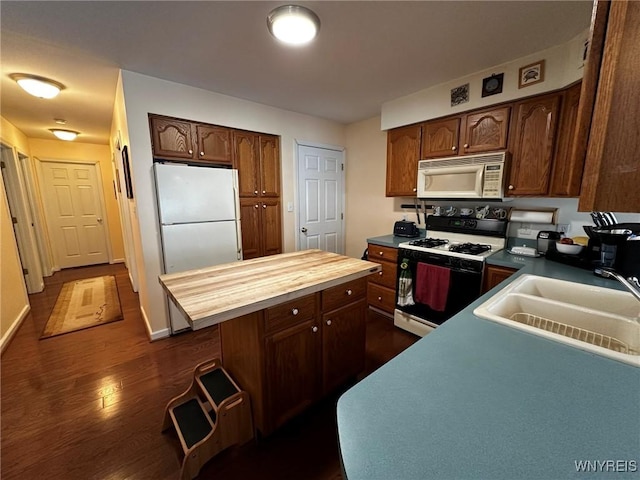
40 87
66 135
293 24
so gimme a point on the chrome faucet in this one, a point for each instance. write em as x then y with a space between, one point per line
632 284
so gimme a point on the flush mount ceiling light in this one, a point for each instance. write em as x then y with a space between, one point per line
37 86
293 24
67 135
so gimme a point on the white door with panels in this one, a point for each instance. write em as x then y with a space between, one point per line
74 213
320 198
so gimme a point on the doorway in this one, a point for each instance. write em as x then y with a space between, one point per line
73 199
321 198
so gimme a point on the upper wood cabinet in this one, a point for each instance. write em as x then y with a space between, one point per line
257 158
566 174
532 145
403 153
177 139
440 138
610 111
485 131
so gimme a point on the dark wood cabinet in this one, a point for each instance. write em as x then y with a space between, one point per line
257 158
269 166
261 226
610 111
440 138
493 275
532 145
381 288
567 171
485 131
288 356
176 139
403 153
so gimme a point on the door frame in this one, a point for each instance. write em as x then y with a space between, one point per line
96 166
24 234
298 189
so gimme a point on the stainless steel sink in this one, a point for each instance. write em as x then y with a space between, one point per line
599 320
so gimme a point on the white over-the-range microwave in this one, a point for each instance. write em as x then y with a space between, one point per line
472 176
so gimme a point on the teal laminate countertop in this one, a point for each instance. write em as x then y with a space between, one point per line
478 400
392 241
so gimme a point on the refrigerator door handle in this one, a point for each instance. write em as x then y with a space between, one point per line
236 194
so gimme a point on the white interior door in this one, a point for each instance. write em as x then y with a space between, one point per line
74 213
320 198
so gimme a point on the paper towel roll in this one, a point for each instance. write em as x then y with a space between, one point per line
533 216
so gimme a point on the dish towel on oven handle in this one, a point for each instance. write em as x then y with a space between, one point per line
432 286
405 285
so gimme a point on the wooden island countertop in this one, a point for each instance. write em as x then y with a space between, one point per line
208 296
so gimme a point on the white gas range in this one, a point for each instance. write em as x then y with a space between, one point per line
449 261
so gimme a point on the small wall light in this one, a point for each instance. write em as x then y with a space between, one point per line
293 24
40 87
67 135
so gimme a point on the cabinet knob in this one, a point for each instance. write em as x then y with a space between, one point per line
264 192
202 154
349 292
380 273
328 322
295 311
190 152
454 148
264 205
379 299
381 254
511 187
415 189
255 192
314 329
256 205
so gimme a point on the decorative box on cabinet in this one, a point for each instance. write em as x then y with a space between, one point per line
381 289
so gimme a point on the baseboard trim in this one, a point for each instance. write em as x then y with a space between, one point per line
157 335
116 260
8 336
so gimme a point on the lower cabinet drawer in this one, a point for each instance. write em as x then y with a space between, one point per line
381 297
387 276
291 313
343 294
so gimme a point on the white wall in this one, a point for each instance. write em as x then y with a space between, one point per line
143 95
563 66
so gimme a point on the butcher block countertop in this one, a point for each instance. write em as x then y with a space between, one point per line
208 296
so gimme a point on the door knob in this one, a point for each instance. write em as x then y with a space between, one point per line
303 230
99 220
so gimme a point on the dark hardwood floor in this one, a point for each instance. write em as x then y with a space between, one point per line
89 404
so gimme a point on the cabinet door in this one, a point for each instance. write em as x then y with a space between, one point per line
493 275
269 166
271 226
440 138
403 153
533 145
486 131
250 214
246 160
292 370
214 144
343 344
171 138
567 171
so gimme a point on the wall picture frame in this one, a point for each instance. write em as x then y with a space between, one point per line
492 85
126 170
460 95
531 74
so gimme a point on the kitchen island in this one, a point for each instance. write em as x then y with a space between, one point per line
292 326
475 399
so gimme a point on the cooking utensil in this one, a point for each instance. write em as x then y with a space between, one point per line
415 202
596 220
610 217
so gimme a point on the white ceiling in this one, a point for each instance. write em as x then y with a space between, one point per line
368 52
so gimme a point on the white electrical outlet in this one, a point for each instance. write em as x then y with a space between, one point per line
563 227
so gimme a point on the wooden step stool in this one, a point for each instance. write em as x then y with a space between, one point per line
211 415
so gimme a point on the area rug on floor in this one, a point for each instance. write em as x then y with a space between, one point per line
83 304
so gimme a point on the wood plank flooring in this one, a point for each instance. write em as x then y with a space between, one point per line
89 404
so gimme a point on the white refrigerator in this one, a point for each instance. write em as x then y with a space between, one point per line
199 213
